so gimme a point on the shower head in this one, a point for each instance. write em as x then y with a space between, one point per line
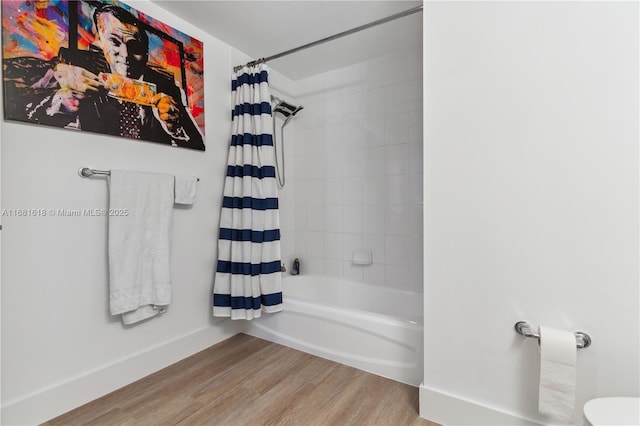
288 111
285 108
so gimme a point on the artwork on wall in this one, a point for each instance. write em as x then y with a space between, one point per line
102 66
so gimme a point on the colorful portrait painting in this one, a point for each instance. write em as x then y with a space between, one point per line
102 66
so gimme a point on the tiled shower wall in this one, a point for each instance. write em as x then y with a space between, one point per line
355 163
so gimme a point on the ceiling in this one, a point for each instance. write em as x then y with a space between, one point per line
264 28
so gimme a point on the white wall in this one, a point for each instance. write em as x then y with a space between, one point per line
60 345
358 171
531 183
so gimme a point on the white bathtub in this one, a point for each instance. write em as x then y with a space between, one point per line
370 327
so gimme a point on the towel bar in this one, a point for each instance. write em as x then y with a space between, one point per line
582 339
87 172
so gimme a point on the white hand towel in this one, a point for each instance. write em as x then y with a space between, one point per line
186 189
139 243
557 373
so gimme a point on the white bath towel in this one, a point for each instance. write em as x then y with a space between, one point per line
139 244
186 188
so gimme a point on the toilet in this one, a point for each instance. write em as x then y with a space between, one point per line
612 411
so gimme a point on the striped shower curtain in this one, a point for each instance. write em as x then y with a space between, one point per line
248 277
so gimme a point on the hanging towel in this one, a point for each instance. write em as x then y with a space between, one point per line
139 244
186 188
248 277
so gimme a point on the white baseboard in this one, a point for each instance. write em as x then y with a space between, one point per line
55 400
450 410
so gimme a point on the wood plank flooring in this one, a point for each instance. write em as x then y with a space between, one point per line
249 381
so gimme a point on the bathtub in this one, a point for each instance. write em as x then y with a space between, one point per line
370 327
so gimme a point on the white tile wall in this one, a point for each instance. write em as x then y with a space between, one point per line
356 155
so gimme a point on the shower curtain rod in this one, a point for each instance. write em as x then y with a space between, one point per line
333 37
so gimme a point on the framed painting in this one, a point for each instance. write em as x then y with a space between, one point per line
104 67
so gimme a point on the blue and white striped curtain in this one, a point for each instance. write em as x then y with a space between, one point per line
248 277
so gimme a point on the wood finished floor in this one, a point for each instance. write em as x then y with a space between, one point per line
249 381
